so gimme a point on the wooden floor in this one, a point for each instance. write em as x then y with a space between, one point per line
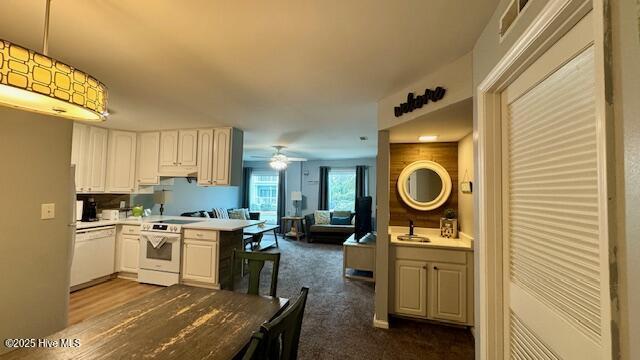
97 299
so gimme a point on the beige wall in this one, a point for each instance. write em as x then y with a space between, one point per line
626 92
34 261
455 76
465 173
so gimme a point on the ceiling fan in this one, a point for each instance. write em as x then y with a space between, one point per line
278 160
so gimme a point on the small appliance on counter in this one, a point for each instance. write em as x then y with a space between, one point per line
90 210
111 214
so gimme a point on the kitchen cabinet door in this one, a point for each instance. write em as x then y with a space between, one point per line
148 158
447 292
169 148
129 253
200 261
205 155
121 166
97 159
188 148
79 149
222 156
411 287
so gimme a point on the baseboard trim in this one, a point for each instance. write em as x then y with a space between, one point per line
380 324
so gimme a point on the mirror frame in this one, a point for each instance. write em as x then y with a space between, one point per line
429 165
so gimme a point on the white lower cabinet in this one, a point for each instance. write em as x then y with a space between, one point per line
411 287
129 253
448 292
434 285
200 261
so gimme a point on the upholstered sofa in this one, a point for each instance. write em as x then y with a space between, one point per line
328 232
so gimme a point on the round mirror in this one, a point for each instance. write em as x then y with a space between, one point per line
424 185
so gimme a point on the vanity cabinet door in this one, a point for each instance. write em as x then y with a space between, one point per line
447 292
200 261
411 287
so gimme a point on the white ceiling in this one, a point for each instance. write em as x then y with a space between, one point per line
306 74
451 123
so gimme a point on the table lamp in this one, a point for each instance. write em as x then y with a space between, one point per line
296 197
162 197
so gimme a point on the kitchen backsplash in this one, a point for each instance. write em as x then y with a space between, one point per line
107 201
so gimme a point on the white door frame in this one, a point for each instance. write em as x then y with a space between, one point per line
554 21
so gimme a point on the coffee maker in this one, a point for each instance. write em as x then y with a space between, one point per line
90 210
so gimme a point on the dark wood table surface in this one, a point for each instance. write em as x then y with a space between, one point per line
178 322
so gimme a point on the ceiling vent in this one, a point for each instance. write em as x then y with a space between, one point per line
509 17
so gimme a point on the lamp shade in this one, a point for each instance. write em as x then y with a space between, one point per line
38 83
162 196
296 196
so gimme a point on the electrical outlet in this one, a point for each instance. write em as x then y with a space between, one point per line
47 211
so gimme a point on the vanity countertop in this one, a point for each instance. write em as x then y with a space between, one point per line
463 242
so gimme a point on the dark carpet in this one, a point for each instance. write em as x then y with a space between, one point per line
339 314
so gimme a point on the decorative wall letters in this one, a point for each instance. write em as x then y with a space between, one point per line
416 102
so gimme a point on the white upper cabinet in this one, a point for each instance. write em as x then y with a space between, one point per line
97 160
121 168
220 161
205 154
188 147
148 158
222 156
178 153
79 149
169 148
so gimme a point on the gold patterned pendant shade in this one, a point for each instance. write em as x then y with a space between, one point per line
35 82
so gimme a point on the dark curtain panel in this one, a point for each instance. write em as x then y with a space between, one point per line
362 181
246 185
282 196
323 189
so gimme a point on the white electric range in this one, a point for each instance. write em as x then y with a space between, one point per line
160 251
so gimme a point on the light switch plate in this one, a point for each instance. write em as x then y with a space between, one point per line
47 211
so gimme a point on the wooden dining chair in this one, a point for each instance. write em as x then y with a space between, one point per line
280 337
255 264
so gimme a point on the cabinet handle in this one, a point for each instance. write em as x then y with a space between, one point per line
435 268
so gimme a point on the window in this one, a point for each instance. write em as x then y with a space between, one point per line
342 189
263 195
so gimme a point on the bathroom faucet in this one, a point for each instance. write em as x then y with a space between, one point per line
410 227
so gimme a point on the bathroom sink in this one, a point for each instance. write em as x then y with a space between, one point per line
417 238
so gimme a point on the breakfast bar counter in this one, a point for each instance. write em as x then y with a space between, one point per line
198 222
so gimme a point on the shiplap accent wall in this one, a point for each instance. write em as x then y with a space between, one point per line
401 155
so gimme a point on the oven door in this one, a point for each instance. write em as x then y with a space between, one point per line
165 257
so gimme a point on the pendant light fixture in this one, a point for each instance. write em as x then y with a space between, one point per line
35 82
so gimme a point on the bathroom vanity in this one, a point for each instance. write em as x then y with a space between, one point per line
431 280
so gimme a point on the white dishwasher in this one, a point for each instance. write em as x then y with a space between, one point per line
94 254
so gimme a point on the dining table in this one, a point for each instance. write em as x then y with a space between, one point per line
177 322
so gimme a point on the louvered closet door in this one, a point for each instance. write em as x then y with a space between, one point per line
554 208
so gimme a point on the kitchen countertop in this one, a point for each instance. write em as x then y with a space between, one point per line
202 223
464 243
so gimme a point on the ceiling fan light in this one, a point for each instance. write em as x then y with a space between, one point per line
278 164
38 83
